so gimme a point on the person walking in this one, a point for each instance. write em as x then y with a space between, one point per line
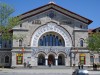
24 64
79 65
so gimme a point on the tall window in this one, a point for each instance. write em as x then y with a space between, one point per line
47 41
5 43
10 43
81 42
91 59
99 59
20 25
54 40
6 59
19 59
82 58
51 40
81 26
20 43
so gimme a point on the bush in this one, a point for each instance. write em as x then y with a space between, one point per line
98 65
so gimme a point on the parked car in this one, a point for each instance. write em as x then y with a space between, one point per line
80 72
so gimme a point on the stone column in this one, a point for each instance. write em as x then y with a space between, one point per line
46 61
56 61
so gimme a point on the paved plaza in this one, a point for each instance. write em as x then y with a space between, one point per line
50 71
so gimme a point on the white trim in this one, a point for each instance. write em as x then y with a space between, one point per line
51 27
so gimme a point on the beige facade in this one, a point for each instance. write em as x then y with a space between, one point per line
51 35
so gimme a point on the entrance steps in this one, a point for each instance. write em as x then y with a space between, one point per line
51 67
44 67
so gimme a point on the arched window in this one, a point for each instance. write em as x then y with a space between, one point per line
20 25
20 43
81 42
6 59
50 39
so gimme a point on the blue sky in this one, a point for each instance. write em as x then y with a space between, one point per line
86 8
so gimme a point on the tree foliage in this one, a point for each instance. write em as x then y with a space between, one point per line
6 21
94 42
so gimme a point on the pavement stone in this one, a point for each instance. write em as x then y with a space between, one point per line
50 71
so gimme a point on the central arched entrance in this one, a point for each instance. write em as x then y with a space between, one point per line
51 59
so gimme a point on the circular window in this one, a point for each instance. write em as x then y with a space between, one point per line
51 15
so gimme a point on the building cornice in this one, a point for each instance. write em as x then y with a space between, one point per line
57 8
20 29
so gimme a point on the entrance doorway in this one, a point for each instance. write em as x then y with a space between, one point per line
51 60
61 59
41 60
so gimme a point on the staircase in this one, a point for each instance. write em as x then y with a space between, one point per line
51 67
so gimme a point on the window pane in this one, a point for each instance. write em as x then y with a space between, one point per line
20 43
57 41
54 39
99 58
91 59
50 40
81 43
47 40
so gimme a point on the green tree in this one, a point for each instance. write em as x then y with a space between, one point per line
7 22
94 42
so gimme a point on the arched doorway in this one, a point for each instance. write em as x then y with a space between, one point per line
51 59
61 59
41 59
6 59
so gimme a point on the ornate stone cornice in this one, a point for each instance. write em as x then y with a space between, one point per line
48 49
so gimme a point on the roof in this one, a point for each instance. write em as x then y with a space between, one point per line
90 31
57 8
96 28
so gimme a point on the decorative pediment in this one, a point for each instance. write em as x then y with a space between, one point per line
52 14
